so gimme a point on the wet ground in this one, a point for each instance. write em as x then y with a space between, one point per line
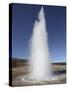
19 72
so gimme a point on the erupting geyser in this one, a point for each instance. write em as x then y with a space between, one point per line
39 54
40 66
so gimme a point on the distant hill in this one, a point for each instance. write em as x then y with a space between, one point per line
59 63
18 62
22 62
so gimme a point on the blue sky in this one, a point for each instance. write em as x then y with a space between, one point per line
23 18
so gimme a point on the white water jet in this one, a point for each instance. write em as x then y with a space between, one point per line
40 66
39 53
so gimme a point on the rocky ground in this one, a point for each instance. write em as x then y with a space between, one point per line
20 69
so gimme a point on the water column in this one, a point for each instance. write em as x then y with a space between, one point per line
39 53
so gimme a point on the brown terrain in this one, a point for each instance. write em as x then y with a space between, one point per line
20 68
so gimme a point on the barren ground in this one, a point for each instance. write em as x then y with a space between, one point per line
20 69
